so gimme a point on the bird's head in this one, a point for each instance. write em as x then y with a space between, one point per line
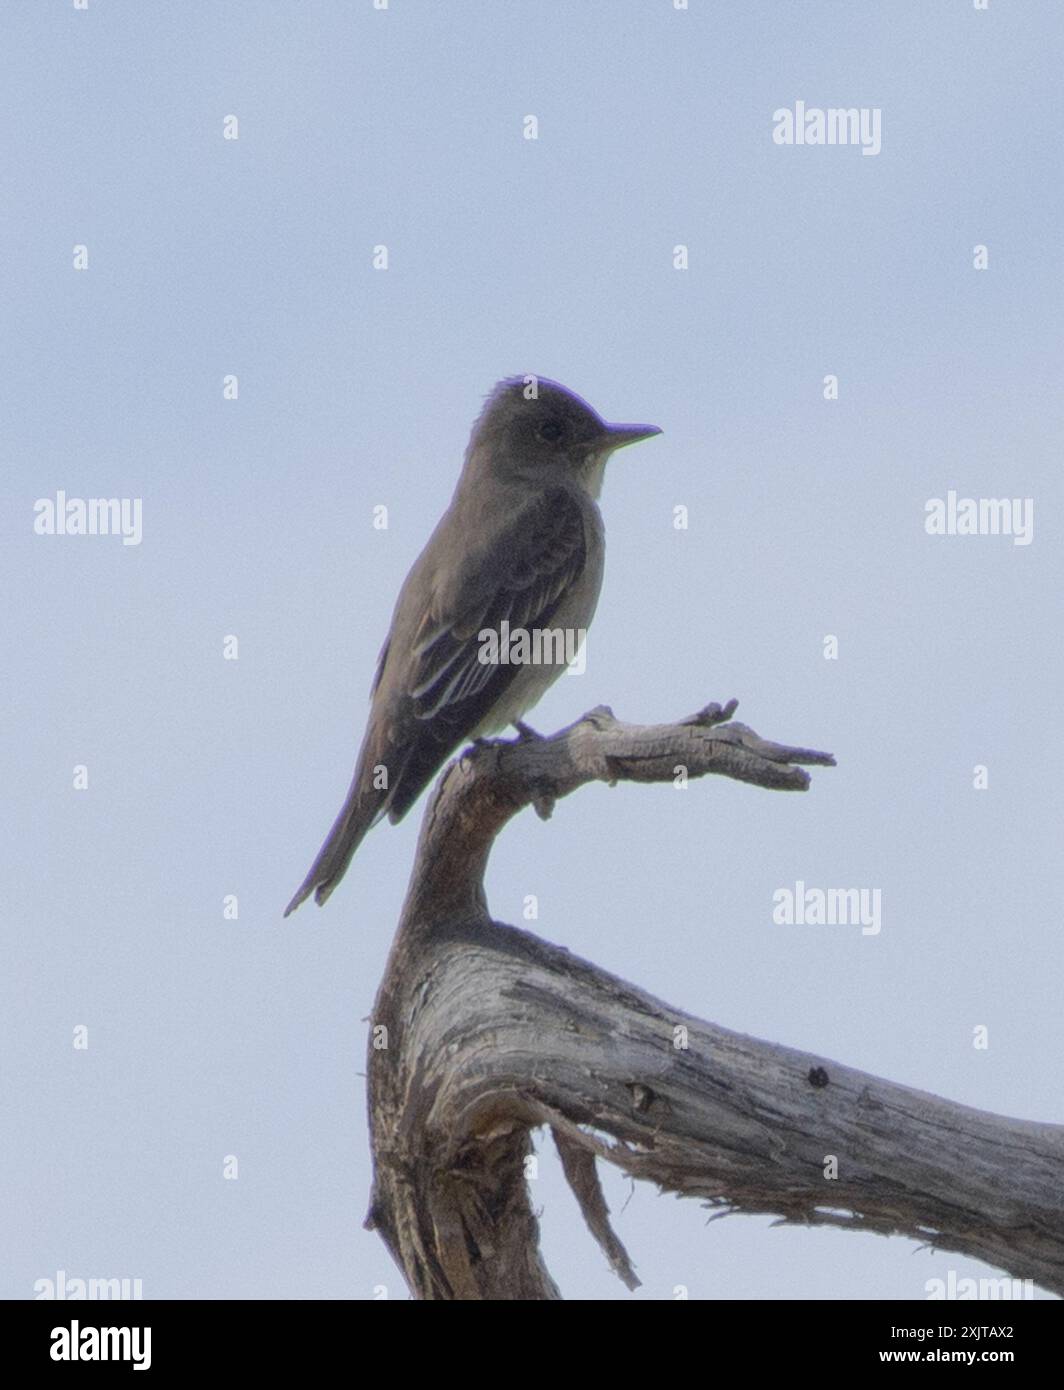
532 427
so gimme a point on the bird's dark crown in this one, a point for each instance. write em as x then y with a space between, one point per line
537 419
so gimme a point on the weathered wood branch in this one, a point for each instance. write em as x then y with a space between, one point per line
483 1033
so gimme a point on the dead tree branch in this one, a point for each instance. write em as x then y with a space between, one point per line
483 1033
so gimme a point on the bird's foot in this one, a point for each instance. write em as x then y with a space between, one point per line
526 733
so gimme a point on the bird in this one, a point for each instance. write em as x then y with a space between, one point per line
520 547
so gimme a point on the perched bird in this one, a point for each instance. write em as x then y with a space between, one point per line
522 543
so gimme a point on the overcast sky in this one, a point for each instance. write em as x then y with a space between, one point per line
252 257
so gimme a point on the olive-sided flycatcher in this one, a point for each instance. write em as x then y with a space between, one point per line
520 548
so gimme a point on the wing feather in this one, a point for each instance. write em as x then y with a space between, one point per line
523 579
529 571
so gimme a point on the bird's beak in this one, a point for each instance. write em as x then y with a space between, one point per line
617 436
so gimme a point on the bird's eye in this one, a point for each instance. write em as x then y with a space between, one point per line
551 431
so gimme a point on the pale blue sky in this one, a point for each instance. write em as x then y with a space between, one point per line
357 387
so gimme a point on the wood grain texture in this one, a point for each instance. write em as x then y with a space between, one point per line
483 1032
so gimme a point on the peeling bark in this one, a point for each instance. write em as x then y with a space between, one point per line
482 1033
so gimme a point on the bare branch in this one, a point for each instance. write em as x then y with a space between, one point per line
478 793
491 1032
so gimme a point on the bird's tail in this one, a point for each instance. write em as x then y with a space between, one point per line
360 812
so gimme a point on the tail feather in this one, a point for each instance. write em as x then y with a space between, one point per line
412 754
359 814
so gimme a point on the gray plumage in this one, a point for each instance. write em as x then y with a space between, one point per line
521 541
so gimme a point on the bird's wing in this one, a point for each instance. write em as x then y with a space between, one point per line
522 579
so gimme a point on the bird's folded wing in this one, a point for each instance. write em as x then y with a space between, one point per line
522 580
